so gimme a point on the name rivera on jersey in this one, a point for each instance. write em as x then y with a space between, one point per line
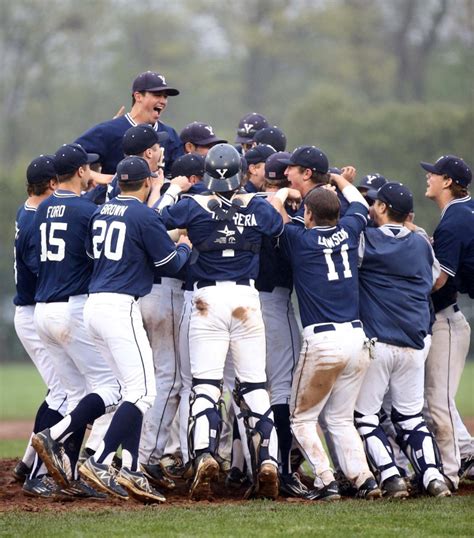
242 220
335 239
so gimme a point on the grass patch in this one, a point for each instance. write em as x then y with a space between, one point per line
12 449
21 391
421 517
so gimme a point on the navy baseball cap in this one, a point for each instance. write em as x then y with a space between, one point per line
133 168
141 137
308 157
272 136
188 165
70 157
258 154
149 81
396 196
200 134
249 125
41 169
372 182
334 170
454 167
274 168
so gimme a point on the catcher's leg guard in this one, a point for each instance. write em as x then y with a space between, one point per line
377 446
418 444
204 416
259 426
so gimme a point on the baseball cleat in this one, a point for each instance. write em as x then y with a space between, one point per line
236 478
466 470
21 471
291 485
103 477
326 493
38 487
157 477
267 482
207 471
346 487
438 488
78 489
173 466
50 452
136 483
369 490
394 488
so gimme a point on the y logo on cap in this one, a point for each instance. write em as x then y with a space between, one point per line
209 128
221 172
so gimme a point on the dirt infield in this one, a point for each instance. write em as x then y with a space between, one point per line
13 498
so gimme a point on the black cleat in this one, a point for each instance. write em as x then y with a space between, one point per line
207 471
369 490
326 493
394 488
21 472
291 485
38 487
51 454
157 477
136 483
102 476
173 466
346 487
78 489
466 470
236 479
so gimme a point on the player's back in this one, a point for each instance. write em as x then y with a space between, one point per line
395 280
60 229
25 262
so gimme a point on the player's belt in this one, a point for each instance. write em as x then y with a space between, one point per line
205 283
59 300
331 327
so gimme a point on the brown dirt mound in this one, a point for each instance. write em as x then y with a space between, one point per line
13 498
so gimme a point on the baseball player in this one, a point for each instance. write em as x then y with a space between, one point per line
395 258
124 260
255 158
150 93
248 126
283 342
334 356
448 181
226 228
64 273
41 183
199 137
271 136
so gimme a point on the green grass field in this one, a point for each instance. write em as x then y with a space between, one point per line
21 390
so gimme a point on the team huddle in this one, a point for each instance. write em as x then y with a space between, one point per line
154 276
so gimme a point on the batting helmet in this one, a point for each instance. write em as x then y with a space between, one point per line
222 168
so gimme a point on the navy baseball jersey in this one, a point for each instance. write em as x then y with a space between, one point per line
298 216
25 260
396 277
275 269
106 140
128 241
97 194
226 237
324 261
250 188
61 224
453 243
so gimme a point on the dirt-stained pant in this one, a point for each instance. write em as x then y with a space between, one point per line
443 370
328 376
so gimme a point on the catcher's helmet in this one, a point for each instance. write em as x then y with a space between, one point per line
222 168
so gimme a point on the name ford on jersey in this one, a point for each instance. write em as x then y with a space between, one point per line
55 211
114 210
334 240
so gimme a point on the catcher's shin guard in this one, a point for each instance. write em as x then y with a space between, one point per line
259 426
417 442
204 405
377 447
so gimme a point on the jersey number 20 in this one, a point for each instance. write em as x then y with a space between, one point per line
107 236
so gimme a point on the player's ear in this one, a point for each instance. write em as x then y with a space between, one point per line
189 147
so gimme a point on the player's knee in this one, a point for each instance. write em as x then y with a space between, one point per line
204 393
143 402
366 421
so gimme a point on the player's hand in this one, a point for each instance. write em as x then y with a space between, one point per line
349 173
120 112
329 188
157 182
182 182
294 195
184 240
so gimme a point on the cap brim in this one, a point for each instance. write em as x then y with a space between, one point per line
167 89
92 158
372 194
428 167
212 140
288 162
242 140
